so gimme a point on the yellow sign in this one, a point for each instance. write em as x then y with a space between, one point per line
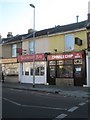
8 60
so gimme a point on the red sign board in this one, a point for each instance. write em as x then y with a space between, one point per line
19 50
65 56
27 58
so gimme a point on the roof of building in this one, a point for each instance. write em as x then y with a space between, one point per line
69 27
49 31
60 29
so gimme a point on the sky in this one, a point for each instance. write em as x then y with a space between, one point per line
16 16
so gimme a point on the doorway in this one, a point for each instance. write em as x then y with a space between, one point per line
78 75
52 72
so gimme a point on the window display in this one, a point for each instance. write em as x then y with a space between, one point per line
10 69
39 68
26 68
66 69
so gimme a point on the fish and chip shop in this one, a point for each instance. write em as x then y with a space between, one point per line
66 69
26 69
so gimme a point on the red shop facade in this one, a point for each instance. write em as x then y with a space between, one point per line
67 69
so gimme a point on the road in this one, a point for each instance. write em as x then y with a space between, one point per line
31 104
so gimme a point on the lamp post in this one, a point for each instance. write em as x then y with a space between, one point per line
33 44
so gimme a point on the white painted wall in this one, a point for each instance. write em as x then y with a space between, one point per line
41 44
88 69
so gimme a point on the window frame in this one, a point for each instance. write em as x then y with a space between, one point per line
14 50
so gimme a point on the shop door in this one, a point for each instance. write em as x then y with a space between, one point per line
52 72
78 75
52 75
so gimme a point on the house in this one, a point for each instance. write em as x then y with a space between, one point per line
64 51
10 49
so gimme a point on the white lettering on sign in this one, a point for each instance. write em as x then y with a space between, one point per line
69 56
77 56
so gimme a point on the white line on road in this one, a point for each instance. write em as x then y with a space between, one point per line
12 101
43 107
81 104
29 106
72 109
62 116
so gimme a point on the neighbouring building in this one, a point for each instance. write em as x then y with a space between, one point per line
10 47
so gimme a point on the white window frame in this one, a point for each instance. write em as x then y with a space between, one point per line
31 47
14 50
69 42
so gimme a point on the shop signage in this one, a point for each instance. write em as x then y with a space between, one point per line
8 60
27 58
65 56
19 50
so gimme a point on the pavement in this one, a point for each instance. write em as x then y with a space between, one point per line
70 91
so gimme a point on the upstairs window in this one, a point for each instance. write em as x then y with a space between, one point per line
31 47
69 42
14 50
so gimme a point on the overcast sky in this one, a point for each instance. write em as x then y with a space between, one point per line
16 16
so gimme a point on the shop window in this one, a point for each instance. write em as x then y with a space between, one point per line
26 68
22 68
65 71
52 63
78 61
10 69
39 68
60 62
42 70
69 42
14 48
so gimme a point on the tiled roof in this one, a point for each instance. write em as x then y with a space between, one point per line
13 39
69 27
54 30
59 29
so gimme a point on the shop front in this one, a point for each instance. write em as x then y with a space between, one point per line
66 69
26 69
10 69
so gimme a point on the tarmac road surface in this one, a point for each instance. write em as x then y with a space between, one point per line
33 104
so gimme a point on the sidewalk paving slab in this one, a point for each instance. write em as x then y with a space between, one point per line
62 90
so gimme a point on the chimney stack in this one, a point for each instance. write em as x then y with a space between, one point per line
77 18
30 30
9 35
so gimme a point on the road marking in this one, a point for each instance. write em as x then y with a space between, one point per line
43 107
81 104
62 116
12 101
72 109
